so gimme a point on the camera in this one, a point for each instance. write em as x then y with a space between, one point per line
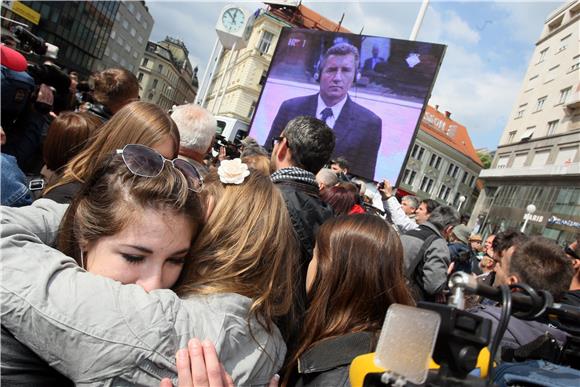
29 41
232 148
381 185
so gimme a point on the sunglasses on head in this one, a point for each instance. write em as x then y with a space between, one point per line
146 162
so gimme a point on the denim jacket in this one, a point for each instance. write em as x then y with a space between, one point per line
98 332
14 190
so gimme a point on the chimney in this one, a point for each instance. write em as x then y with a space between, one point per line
437 107
447 114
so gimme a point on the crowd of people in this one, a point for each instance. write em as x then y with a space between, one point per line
136 247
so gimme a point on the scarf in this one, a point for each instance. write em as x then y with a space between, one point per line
294 174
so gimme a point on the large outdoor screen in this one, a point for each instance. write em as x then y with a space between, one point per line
370 90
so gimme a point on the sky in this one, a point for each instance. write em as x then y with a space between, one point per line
489 45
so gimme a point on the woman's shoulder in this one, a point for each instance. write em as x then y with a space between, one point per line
250 352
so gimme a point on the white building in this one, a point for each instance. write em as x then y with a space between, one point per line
538 160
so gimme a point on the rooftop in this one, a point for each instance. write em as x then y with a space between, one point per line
448 131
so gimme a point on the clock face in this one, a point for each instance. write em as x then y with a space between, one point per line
233 19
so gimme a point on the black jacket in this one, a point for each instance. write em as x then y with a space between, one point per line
307 212
327 363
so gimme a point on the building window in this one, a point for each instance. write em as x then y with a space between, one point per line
140 77
564 42
540 103
140 39
115 57
411 178
552 125
155 82
160 68
145 25
444 192
426 184
133 32
131 7
138 16
576 64
135 55
107 51
511 136
113 34
417 152
520 113
502 162
465 176
263 78
564 94
543 54
145 62
125 24
452 170
471 181
528 133
265 42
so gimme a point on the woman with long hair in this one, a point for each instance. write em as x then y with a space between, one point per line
236 281
132 229
136 123
356 273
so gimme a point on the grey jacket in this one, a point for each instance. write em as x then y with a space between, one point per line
436 258
97 331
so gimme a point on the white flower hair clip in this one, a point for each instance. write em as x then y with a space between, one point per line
233 171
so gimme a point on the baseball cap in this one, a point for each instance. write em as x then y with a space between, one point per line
12 59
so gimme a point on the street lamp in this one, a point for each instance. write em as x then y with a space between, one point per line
461 200
530 209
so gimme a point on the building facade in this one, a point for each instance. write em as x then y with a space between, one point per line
128 38
80 29
538 160
165 78
443 164
234 91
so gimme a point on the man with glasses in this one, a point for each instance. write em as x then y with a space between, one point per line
303 148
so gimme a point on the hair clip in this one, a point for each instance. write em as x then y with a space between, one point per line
233 171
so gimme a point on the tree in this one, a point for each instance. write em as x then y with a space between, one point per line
485 158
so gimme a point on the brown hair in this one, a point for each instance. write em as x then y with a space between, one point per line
115 87
259 162
359 275
67 136
339 198
541 263
137 123
113 196
246 247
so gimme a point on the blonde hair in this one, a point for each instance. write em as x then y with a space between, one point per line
246 247
113 196
137 123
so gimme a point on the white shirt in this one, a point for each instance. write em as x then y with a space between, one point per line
336 109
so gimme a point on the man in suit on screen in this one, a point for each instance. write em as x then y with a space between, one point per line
357 129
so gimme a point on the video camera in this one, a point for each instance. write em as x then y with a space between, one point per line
458 343
30 42
233 149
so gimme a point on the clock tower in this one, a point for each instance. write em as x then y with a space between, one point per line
231 25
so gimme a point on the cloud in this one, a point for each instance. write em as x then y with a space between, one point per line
459 28
517 17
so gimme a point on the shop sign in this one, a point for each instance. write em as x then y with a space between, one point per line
26 12
534 218
554 220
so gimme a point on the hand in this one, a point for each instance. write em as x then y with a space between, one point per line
386 189
222 154
199 366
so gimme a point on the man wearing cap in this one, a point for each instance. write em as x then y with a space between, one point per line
459 250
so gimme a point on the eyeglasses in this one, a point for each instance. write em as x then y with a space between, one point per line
277 140
568 250
146 162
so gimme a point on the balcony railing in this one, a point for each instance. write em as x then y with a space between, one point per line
565 169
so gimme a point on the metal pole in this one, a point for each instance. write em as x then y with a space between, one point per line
523 229
211 75
224 71
419 19
199 95
227 82
459 207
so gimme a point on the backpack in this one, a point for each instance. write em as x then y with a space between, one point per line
416 273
